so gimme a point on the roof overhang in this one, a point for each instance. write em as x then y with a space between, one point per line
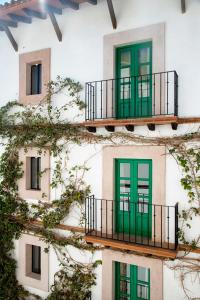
25 10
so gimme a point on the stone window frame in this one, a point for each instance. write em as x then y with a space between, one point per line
154 33
25 276
26 60
109 257
23 184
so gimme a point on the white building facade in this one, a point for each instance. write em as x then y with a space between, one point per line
141 78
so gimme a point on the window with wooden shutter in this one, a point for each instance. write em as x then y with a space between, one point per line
35 169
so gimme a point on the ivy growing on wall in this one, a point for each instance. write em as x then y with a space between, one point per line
45 127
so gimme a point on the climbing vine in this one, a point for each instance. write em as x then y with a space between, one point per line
45 128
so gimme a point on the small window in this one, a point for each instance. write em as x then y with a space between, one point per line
36 79
36 259
35 169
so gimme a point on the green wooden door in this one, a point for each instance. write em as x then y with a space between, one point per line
131 282
133 81
133 196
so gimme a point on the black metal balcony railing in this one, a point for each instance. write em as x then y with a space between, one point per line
133 97
133 222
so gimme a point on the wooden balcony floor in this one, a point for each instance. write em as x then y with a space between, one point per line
139 244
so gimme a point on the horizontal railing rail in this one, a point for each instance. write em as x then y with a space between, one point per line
133 222
132 97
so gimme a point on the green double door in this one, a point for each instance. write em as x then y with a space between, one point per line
134 81
131 282
133 197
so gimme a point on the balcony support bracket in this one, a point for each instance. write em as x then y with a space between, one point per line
110 128
151 127
130 128
91 129
174 126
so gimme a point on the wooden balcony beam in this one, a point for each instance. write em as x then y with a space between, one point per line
140 249
112 14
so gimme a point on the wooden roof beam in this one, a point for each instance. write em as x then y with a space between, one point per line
33 13
10 36
53 9
112 13
70 3
8 23
93 2
18 18
183 6
56 26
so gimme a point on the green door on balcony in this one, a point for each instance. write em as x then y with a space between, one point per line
131 282
133 81
133 197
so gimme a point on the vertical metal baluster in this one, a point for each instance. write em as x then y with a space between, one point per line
93 213
129 93
135 204
167 93
141 96
101 218
142 215
161 225
148 95
154 94
112 112
101 100
160 93
106 99
123 99
123 219
129 214
135 95
106 218
85 215
96 205
148 222
175 94
176 226
90 214
95 100
88 220
112 218
86 101
168 226
154 225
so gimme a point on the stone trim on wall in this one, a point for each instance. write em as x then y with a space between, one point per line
25 62
25 277
23 183
109 258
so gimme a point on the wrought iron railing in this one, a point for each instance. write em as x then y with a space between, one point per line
132 97
133 222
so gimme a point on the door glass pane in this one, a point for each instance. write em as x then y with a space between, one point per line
124 270
125 72
144 55
125 91
143 274
142 291
144 70
125 58
124 170
143 89
125 287
124 203
143 170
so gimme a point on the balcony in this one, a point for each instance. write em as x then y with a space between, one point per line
145 99
133 226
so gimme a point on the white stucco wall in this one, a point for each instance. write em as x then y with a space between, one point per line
80 56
